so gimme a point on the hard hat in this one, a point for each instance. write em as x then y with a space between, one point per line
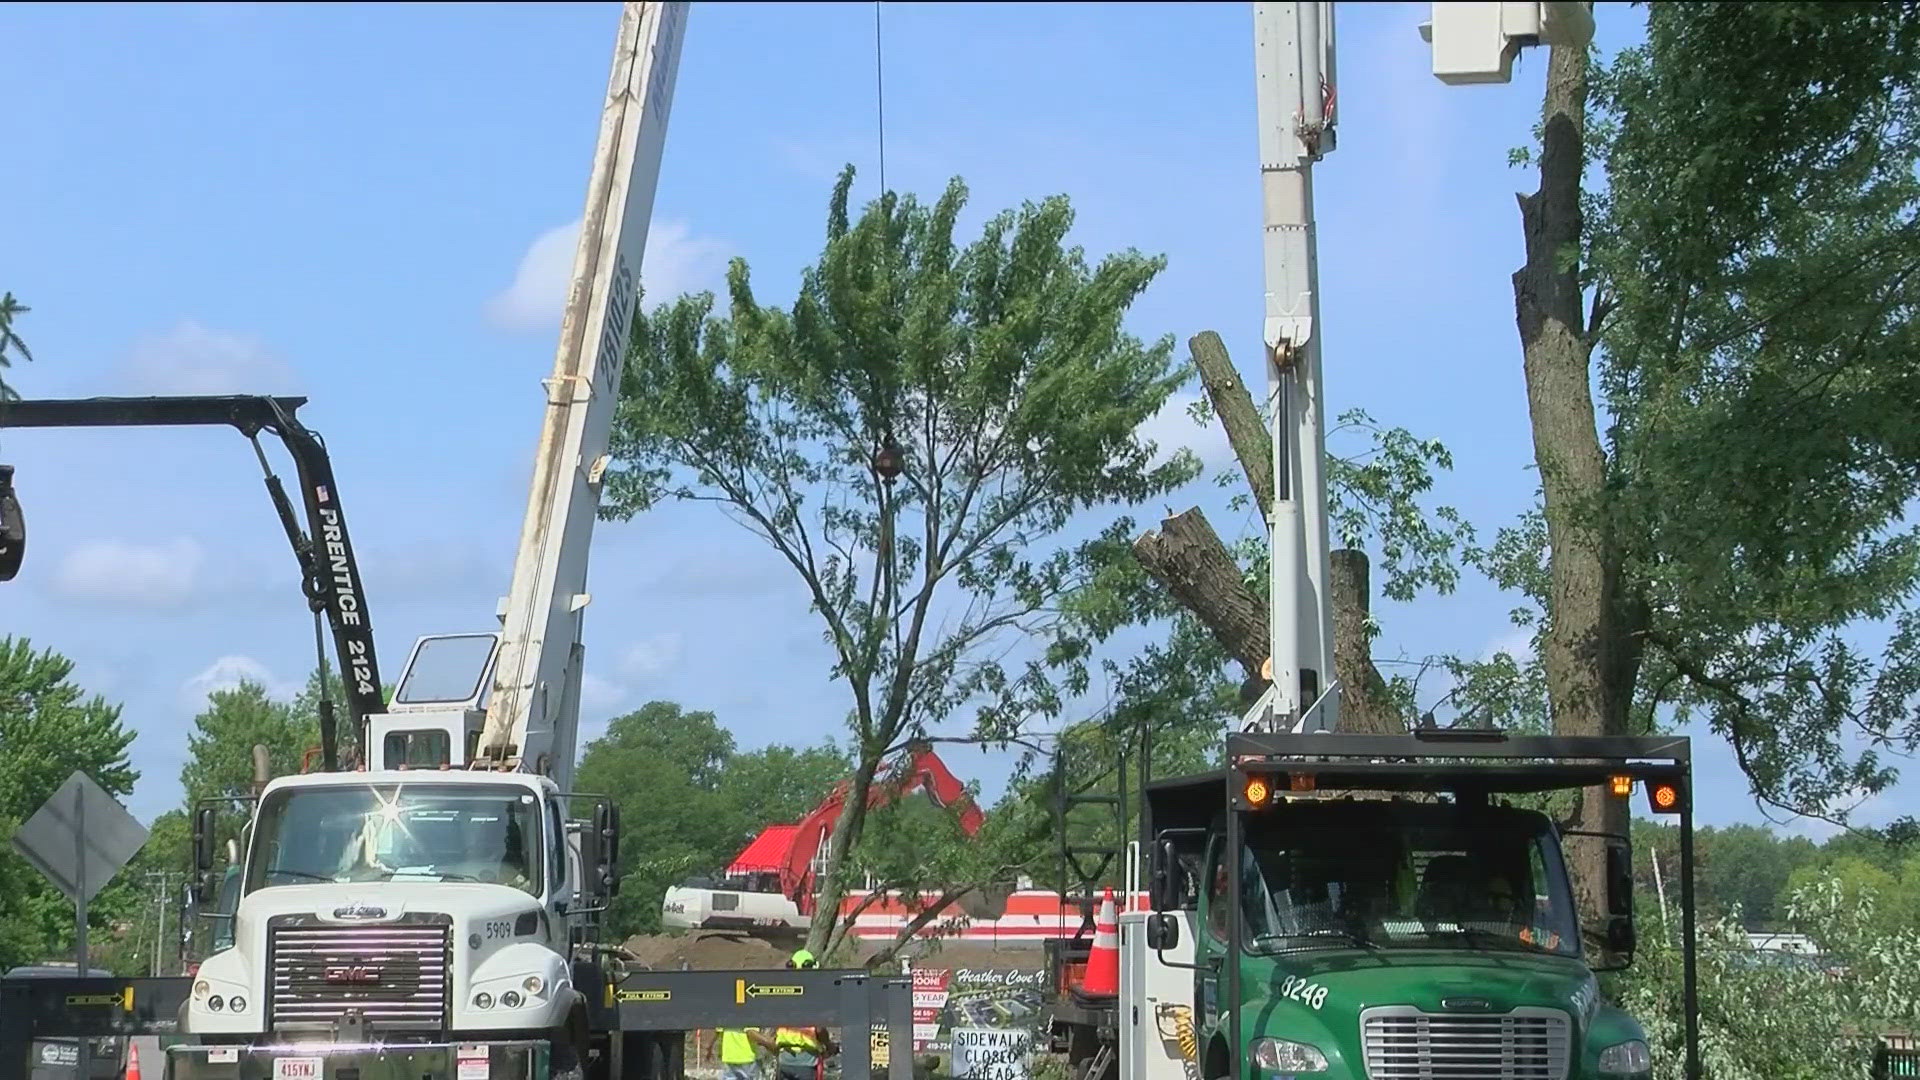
801 959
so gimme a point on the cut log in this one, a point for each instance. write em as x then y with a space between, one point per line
1233 404
1187 558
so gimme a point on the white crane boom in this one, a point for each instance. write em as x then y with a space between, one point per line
533 715
526 715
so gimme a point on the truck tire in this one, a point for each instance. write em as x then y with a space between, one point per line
564 1062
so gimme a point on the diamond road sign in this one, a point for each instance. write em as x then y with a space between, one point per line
80 838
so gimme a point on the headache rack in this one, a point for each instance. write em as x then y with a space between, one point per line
1464 759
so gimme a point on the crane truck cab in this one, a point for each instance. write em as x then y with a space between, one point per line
430 913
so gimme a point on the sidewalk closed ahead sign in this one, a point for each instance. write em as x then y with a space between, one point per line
991 1053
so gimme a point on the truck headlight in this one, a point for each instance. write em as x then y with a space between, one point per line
1629 1058
533 984
1283 1056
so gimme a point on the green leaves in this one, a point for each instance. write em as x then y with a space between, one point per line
689 800
1758 242
49 727
10 309
1000 372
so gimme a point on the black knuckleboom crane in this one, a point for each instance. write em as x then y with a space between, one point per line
329 576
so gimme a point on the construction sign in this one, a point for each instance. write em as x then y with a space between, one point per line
987 1019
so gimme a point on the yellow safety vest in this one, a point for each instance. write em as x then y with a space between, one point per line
735 1047
800 1039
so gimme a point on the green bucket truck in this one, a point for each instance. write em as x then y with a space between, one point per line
1398 916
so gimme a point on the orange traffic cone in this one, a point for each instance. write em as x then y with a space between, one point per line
1103 961
133 1061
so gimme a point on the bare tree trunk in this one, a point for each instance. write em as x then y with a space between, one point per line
1583 648
1233 404
1363 693
832 887
1187 558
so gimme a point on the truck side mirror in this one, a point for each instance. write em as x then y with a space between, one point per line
1163 931
1163 885
604 863
1621 938
1620 880
203 839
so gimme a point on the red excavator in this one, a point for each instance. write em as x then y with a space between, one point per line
768 888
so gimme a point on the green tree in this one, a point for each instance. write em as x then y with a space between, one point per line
220 746
1747 868
49 729
1740 292
1767 1017
995 377
664 768
10 309
778 784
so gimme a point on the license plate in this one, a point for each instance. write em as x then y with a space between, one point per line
59 1054
299 1068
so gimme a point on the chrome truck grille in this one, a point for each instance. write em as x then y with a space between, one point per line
1403 1043
395 974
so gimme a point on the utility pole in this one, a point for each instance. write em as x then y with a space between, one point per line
160 884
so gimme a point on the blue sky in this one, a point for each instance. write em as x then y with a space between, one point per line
372 206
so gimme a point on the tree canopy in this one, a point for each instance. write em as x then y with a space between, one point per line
910 437
1748 248
50 728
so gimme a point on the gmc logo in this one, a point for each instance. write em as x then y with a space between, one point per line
352 975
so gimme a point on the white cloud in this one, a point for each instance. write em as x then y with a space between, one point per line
228 672
1516 641
598 695
194 359
1172 428
650 656
137 575
674 262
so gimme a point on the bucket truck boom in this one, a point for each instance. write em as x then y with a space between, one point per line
512 700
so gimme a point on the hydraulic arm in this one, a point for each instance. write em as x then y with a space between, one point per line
328 573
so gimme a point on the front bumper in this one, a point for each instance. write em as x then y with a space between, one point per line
514 1060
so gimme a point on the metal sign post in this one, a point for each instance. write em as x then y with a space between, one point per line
79 839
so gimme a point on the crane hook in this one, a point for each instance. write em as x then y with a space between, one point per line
13 527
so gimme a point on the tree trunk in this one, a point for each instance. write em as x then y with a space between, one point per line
1188 559
1363 693
832 887
1233 404
1582 650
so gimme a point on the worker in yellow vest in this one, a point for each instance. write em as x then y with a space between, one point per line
738 1051
802 1051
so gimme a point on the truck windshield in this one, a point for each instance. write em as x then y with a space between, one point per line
406 832
1380 875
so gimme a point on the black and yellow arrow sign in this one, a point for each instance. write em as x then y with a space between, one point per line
646 996
742 990
124 999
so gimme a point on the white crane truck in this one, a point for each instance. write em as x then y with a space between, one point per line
430 915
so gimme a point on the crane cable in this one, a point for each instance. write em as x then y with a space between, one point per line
880 95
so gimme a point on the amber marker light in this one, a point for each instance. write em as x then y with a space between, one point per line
1664 797
1622 786
1258 791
